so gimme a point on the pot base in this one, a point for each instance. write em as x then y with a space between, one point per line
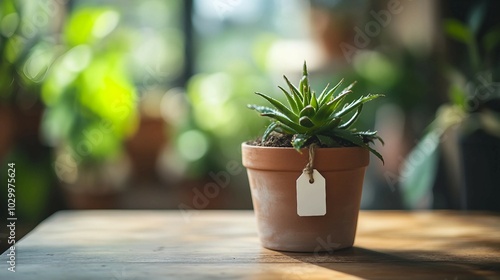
315 251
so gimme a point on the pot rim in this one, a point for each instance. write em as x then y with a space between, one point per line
303 149
289 159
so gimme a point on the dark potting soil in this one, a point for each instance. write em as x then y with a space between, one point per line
274 140
284 140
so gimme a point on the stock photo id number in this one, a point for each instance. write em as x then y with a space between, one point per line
11 216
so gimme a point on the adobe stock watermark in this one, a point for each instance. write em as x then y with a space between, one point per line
295 273
202 196
481 90
152 78
222 7
123 274
325 246
29 27
373 28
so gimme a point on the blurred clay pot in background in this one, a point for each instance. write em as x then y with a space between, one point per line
7 128
93 186
144 147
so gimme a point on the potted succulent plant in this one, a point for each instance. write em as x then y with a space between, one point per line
306 172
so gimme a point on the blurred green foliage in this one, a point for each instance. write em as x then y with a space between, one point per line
26 52
89 94
468 81
474 104
34 184
218 120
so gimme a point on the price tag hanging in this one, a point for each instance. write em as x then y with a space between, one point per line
311 194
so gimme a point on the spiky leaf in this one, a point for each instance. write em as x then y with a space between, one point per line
299 140
353 105
356 140
325 140
279 106
282 128
296 94
291 100
275 114
322 94
306 121
307 111
268 131
325 97
353 119
330 125
320 116
329 108
314 101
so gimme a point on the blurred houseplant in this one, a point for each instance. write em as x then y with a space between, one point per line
26 54
479 100
90 107
158 66
470 124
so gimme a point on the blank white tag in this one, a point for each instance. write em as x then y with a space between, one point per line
311 197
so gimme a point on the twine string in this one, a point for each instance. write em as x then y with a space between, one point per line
310 167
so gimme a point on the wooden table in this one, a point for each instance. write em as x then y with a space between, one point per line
224 245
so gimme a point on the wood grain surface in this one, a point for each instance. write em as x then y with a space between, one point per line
130 244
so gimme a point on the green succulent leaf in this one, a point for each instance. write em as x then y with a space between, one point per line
332 124
320 116
373 151
322 94
297 96
299 140
291 100
326 96
304 87
356 103
282 128
306 121
349 87
330 107
260 109
279 106
276 115
334 103
325 140
371 136
353 119
304 69
376 137
339 99
306 96
356 140
268 131
314 101
307 111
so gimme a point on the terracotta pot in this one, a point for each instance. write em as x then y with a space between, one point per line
85 201
96 185
145 146
7 127
273 172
